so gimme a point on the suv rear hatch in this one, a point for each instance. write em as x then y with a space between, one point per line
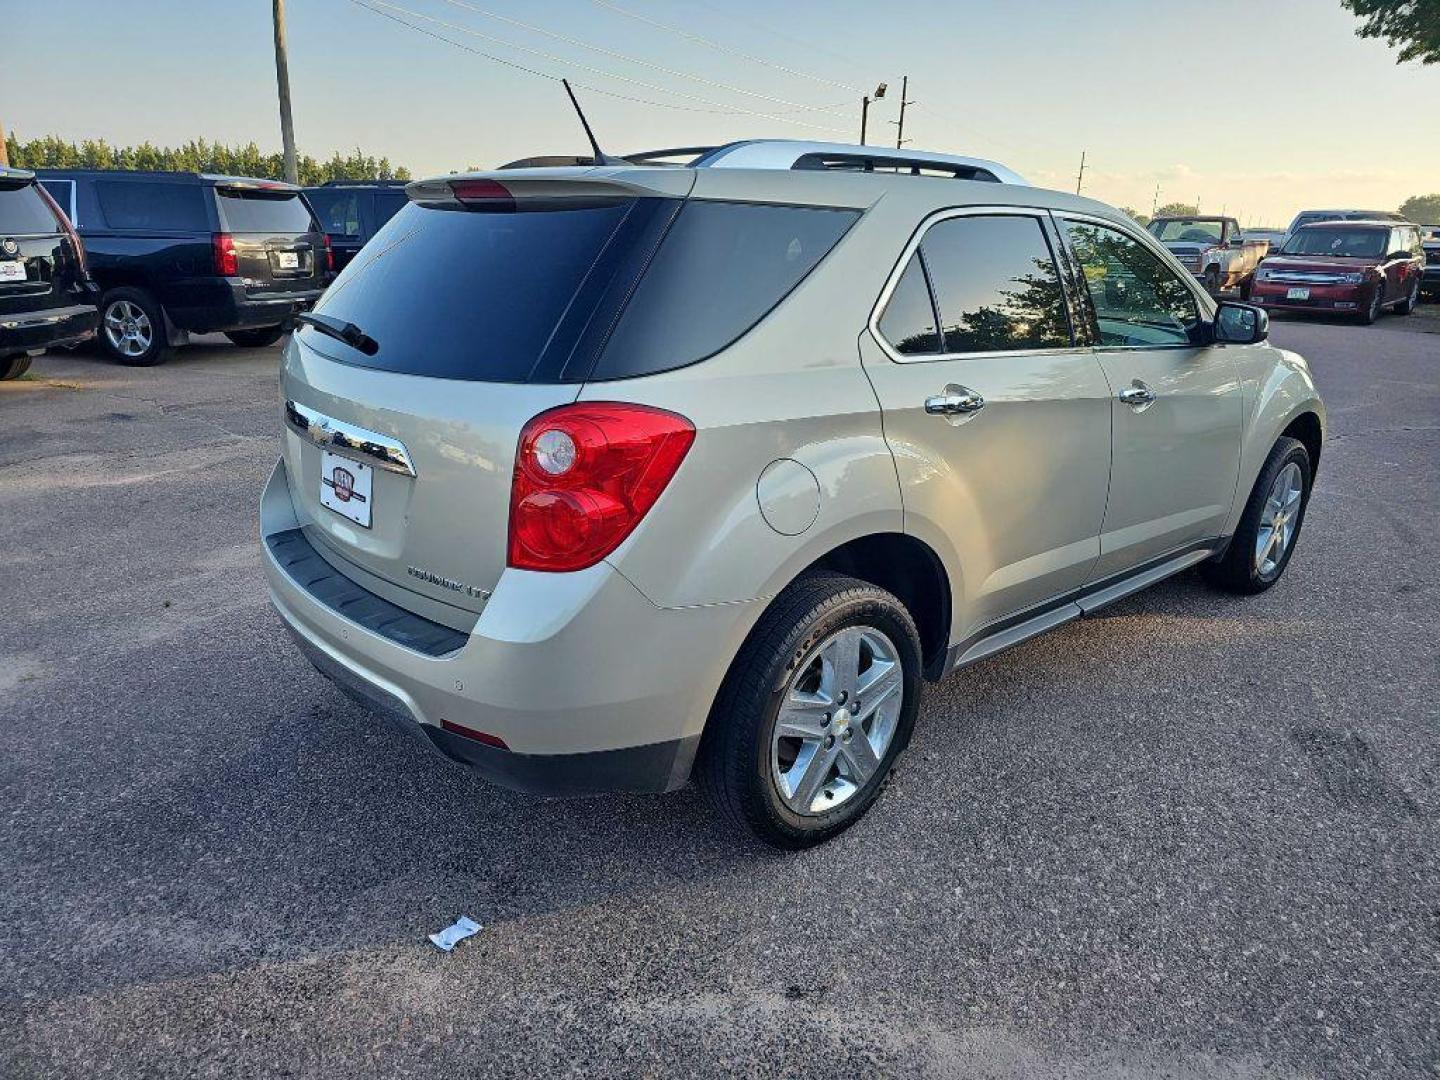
481 305
278 244
37 261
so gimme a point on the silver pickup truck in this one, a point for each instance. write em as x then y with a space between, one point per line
1214 249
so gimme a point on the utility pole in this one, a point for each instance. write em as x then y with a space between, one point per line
1155 202
865 109
900 139
1080 176
4 153
282 79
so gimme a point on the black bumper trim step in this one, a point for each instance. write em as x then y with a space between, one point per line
344 597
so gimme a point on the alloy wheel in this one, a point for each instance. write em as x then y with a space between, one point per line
1278 520
837 720
128 329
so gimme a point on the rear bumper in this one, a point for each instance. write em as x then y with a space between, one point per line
33 331
577 681
224 304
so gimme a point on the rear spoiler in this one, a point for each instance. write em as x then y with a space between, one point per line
15 176
549 189
249 183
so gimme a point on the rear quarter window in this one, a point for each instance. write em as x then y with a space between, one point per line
151 206
338 210
23 211
720 270
263 212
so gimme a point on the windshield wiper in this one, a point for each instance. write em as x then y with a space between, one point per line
340 330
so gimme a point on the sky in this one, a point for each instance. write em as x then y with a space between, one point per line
1256 107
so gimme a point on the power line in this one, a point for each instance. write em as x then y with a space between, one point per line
532 71
789 38
375 4
727 50
638 60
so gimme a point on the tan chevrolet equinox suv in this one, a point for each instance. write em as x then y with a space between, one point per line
604 477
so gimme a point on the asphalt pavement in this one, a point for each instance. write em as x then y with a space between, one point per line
1193 837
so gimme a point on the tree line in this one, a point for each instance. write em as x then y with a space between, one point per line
197 155
1421 209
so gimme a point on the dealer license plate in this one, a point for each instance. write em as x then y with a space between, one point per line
288 260
12 271
347 487
1297 294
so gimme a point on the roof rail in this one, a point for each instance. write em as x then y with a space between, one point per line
797 154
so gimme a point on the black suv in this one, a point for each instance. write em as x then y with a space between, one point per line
46 297
176 253
352 211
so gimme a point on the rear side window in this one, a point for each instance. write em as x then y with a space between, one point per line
130 204
909 320
996 285
720 270
338 211
63 192
465 295
23 210
263 212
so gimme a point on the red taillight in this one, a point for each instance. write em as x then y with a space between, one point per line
75 245
226 264
329 255
585 475
483 194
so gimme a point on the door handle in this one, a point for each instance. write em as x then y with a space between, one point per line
1137 394
955 401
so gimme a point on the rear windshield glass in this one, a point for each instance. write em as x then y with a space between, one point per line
337 209
533 296
143 205
721 269
463 295
23 210
267 212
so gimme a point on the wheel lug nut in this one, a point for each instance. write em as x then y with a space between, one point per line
847 734
825 722
829 741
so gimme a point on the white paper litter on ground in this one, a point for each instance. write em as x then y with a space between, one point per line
448 938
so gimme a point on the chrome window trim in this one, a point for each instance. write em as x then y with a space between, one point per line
892 282
384 452
1204 303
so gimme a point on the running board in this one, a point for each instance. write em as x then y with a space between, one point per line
1086 602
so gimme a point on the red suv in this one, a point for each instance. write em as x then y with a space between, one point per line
1351 267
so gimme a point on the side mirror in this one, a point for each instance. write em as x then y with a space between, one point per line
1240 324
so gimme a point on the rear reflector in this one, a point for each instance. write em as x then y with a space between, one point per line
470 733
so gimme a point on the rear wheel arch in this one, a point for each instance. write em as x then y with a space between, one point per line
910 570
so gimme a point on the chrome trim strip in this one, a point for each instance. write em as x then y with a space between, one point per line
327 432
1307 277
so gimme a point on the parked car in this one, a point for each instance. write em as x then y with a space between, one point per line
705 470
1275 238
46 296
1350 267
1315 217
179 253
1214 249
1430 281
352 211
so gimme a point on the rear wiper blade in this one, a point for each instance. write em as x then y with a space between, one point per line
340 330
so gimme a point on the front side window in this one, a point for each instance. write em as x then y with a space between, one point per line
997 288
1138 299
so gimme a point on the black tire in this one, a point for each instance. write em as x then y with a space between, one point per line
12 367
1376 306
258 338
1411 301
734 765
1212 281
1247 287
157 350
1236 570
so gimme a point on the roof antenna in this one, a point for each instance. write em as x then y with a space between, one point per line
601 158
